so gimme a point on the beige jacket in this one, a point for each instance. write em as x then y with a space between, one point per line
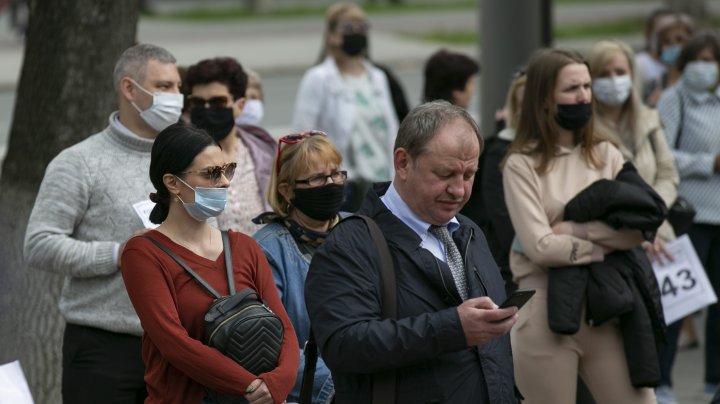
536 203
654 163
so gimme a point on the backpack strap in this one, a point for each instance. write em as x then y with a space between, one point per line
228 262
228 265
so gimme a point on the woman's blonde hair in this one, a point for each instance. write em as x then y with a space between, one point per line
600 55
537 131
294 158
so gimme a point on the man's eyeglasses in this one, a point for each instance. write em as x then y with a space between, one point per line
292 139
213 173
217 102
337 177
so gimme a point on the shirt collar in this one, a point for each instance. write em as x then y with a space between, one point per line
395 204
116 121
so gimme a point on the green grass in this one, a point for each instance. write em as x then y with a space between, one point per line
201 14
619 27
446 37
607 29
382 7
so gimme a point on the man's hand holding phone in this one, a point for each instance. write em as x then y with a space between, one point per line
482 320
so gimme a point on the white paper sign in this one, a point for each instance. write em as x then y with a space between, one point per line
13 386
143 209
684 286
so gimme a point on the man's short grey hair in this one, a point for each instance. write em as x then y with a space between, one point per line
133 62
424 122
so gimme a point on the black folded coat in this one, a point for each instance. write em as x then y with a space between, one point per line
623 286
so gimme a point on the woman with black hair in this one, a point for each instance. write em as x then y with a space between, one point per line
191 178
450 76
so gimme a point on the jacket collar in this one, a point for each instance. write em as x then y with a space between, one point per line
403 238
397 232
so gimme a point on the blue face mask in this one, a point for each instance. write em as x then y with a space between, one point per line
669 55
209 202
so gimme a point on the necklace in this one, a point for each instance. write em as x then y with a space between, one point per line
188 244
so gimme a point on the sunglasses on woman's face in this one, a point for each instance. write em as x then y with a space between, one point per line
215 172
292 139
217 102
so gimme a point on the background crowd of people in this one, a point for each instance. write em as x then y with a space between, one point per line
467 221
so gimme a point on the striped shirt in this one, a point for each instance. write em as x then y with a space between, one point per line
699 128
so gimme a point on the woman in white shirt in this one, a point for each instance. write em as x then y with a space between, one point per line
349 99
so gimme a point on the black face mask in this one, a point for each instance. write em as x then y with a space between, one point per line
354 44
319 203
573 116
218 122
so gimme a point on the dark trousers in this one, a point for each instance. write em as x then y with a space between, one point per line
706 240
101 367
668 351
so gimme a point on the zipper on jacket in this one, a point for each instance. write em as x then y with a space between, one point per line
442 278
477 273
482 284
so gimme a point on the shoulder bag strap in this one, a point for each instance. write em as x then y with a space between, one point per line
388 287
384 382
186 268
228 262
678 133
308 378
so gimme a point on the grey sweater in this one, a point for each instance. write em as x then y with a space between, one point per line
83 210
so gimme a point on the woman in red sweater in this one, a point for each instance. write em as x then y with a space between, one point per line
191 179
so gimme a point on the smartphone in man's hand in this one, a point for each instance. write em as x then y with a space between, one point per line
518 298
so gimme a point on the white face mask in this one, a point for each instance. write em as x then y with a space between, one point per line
165 110
251 114
612 91
700 75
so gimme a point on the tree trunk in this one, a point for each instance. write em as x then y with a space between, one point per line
65 93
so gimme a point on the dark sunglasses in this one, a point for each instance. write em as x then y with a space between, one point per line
292 139
220 101
214 173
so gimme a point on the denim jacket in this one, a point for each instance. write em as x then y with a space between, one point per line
290 267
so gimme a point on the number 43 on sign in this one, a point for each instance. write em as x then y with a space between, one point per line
683 283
